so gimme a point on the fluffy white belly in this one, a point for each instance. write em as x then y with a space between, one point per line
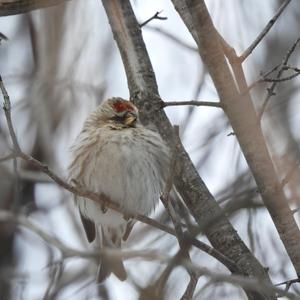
129 168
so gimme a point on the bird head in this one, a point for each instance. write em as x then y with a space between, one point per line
118 113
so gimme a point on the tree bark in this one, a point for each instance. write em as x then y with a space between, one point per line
144 92
8 8
242 116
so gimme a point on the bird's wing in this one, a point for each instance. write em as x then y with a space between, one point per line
89 228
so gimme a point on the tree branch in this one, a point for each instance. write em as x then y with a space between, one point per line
271 89
156 16
288 283
67 252
8 8
259 38
242 116
192 102
144 93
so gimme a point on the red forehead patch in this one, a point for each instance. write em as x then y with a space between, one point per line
122 106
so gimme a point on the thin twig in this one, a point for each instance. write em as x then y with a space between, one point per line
281 79
288 283
156 16
272 70
189 292
271 90
264 77
67 252
6 216
288 67
253 284
254 44
192 102
54 276
3 37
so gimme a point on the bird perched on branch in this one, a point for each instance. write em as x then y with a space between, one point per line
117 157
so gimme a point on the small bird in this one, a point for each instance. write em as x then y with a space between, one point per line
116 156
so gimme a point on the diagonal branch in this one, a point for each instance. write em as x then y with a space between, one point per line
259 38
156 16
144 93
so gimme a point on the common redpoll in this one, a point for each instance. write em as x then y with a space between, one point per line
116 156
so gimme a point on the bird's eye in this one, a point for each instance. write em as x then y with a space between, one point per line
118 118
126 118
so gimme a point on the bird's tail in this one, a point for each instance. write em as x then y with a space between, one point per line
110 238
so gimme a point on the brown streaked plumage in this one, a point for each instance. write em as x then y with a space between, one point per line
116 156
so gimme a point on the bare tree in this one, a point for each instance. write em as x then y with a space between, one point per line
53 105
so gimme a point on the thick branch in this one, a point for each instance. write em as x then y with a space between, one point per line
144 92
243 119
8 8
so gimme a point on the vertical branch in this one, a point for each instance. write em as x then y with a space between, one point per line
144 92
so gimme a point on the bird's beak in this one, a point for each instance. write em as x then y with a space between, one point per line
130 119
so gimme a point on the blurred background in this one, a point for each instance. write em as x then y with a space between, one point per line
59 63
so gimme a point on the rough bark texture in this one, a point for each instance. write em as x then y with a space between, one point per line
8 8
143 91
243 119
